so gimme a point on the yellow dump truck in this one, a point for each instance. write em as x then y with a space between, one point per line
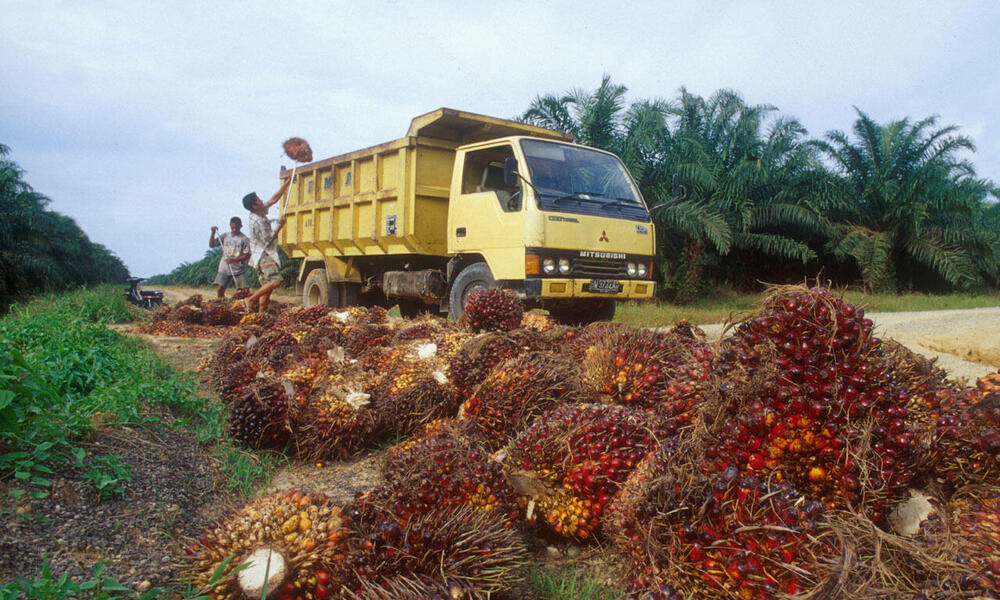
466 201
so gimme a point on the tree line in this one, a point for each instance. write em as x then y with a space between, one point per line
40 249
740 194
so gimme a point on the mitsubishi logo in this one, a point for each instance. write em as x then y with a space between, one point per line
604 237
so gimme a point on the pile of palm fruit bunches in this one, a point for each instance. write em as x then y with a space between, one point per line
196 317
769 464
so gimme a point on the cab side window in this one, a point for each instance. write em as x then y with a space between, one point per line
483 172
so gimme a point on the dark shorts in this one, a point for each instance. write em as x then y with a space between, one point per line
224 277
268 269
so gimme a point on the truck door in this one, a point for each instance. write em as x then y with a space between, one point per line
485 216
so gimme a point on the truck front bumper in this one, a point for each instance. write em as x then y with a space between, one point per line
552 288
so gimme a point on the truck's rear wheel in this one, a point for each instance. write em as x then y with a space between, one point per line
476 276
316 290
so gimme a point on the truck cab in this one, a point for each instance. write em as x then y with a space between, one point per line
466 201
564 225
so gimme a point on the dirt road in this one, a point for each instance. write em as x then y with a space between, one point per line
965 342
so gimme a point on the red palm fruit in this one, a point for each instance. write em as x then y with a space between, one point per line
492 310
518 390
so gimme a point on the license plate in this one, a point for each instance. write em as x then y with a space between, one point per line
605 286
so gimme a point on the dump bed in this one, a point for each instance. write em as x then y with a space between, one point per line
389 199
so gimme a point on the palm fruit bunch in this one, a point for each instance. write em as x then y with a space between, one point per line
518 390
575 341
258 416
334 423
260 319
273 346
581 453
285 543
362 336
237 378
472 361
805 398
666 373
447 552
323 336
537 322
412 395
721 535
492 310
442 468
970 528
965 444
232 349
218 314
303 373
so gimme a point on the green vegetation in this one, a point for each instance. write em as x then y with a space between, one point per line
48 587
569 583
740 194
41 250
59 366
107 474
720 305
248 469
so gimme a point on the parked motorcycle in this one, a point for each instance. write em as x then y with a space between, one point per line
148 299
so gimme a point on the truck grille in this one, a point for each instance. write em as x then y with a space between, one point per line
605 269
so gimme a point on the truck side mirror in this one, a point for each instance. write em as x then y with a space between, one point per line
510 171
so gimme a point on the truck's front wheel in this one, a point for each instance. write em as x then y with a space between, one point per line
476 276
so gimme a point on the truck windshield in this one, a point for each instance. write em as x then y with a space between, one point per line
575 179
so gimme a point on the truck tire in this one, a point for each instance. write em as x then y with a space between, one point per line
583 312
345 294
476 276
316 290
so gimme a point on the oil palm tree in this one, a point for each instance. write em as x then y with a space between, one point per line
907 209
40 249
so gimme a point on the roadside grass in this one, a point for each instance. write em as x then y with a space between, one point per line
570 582
722 305
61 369
248 471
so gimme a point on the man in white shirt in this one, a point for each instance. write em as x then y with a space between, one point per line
264 251
235 254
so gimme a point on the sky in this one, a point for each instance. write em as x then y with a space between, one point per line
148 121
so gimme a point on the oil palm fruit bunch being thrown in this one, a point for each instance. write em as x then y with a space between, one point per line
492 310
804 397
281 546
581 454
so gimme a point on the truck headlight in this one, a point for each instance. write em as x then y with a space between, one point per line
642 269
549 266
564 266
630 269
